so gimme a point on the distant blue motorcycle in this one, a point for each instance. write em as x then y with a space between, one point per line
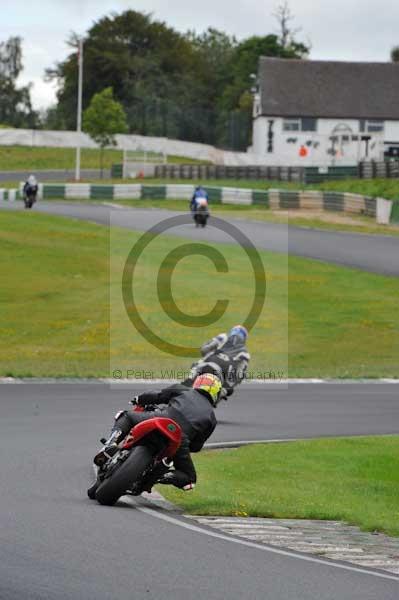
201 212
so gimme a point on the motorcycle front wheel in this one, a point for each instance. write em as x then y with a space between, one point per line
115 486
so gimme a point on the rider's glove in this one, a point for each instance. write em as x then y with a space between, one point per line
144 399
147 398
223 394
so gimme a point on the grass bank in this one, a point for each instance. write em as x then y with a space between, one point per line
354 480
321 319
14 158
384 188
41 158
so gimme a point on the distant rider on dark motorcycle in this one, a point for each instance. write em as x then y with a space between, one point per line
31 187
227 357
192 408
199 194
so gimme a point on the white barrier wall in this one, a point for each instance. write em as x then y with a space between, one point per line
77 190
179 192
384 209
127 191
236 196
70 139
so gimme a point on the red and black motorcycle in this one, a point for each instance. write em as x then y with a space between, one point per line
149 445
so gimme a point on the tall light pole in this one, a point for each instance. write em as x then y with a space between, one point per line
79 116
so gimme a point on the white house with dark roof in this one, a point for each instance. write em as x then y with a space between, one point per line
323 113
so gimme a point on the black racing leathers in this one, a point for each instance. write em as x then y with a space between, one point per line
224 356
192 410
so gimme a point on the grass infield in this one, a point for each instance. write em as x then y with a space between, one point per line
37 157
376 188
319 320
344 479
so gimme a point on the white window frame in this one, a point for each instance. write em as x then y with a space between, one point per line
289 125
370 124
296 125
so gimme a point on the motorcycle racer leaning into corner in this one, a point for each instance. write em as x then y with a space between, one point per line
192 408
226 356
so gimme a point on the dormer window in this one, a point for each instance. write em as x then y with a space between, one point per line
300 124
371 126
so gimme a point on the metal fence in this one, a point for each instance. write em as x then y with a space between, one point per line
364 170
372 170
229 172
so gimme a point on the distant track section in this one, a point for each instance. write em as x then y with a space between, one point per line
373 253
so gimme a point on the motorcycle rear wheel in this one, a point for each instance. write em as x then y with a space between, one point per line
111 489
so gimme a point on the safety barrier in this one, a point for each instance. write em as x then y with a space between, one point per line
394 213
9 195
137 191
323 200
385 211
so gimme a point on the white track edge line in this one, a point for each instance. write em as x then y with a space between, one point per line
132 382
263 547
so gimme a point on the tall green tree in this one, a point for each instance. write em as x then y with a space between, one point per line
144 61
193 87
15 102
395 54
104 118
214 51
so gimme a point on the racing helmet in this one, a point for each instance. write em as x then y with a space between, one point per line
32 180
210 384
240 331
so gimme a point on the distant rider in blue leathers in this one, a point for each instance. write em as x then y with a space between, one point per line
199 193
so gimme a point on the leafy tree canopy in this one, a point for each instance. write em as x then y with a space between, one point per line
395 54
192 86
15 102
104 118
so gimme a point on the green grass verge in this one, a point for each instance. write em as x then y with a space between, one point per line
36 157
384 188
32 158
54 299
235 183
8 185
376 188
354 480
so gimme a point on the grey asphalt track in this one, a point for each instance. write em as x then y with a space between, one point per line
55 544
378 254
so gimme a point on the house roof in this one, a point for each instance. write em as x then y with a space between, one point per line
313 88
